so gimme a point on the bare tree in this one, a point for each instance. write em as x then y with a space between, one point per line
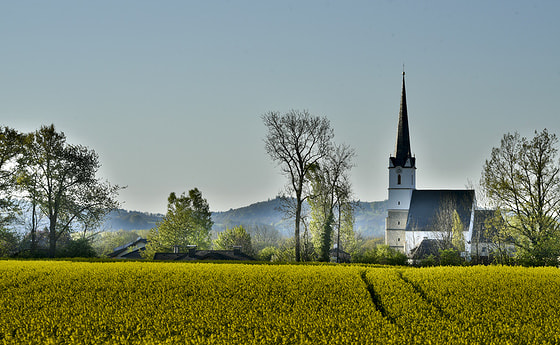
297 141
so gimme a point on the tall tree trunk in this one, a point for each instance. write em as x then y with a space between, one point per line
296 233
338 236
33 229
52 238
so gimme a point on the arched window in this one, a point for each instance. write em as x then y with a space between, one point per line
399 179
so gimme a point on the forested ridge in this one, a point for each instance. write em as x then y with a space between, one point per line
370 218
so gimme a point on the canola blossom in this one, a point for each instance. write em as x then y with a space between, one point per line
60 302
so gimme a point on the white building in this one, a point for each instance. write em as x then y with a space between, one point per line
414 215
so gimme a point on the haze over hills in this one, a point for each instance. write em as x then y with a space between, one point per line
369 218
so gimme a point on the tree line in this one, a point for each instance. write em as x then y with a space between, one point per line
46 180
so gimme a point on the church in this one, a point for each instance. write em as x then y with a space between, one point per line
418 218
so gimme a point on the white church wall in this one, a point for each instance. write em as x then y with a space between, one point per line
468 234
399 199
407 179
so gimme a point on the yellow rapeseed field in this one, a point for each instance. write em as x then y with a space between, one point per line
58 302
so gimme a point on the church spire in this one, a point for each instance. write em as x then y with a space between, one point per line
402 147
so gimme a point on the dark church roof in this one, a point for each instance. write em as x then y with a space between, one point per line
483 229
425 205
402 146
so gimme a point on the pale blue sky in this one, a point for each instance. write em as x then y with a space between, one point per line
170 93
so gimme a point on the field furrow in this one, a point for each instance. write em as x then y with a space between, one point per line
57 302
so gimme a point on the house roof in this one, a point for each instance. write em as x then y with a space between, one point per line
425 248
121 249
402 146
134 255
342 255
204 255
425 205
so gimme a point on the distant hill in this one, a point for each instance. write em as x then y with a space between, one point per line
131 220
261 213
370 218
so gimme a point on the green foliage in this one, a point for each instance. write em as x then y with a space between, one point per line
450 257
11 143
234 237
331 190
522 179
326 239
267 253
187 222
364 248
458 240
60 179
77 248
381 254
285 251
542 253
9 242
429 261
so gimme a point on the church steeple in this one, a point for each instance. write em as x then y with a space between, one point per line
402 147
402 182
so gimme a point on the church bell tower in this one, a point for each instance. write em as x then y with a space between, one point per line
402 181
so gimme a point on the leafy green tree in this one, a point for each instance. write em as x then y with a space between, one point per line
325 238
381 254
331 192
389 256
297 141
364 248
521 179
78 248
267 253
60 179
188 222
450 257
285 251
346 237
458 238
236 236
11 143
8 242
